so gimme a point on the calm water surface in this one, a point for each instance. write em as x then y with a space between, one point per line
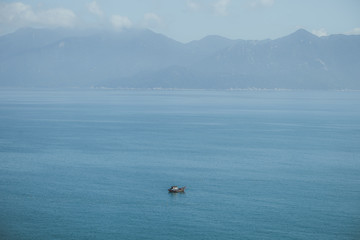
257 164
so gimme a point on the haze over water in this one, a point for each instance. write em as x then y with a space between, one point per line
257 164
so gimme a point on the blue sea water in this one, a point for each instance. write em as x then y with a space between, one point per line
96 164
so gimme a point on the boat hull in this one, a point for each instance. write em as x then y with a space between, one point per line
179 190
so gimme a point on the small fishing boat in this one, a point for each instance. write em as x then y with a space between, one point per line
175 189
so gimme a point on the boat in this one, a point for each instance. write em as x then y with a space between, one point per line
176 189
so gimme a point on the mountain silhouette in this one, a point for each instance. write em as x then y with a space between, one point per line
140 58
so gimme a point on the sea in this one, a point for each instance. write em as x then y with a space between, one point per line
257 164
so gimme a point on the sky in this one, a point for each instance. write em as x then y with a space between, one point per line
187 20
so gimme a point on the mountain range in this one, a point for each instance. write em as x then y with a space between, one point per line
140 58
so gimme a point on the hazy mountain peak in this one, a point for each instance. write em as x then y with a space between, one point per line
211 39
302 34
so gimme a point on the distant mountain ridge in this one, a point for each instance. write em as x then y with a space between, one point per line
135 58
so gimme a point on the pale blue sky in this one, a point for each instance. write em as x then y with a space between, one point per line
186 20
